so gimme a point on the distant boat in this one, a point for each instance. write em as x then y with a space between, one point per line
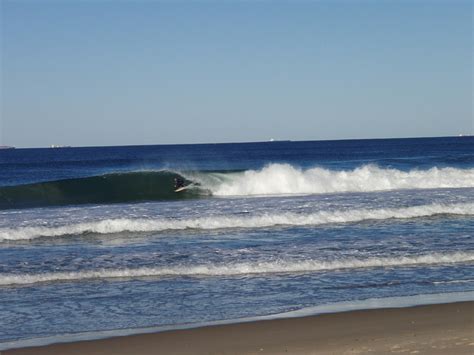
279 140
59 146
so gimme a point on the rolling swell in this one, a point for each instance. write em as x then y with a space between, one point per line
108 188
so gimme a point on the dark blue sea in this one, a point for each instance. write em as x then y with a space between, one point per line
96 241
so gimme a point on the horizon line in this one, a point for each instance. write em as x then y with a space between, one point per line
271 140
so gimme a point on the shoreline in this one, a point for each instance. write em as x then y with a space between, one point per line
336 307
434 328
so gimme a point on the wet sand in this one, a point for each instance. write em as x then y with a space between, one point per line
431 329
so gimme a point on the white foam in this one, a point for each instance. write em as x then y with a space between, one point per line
119 225
236 269
285 179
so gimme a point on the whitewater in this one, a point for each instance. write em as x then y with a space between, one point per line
287 179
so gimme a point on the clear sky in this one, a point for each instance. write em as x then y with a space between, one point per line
159 72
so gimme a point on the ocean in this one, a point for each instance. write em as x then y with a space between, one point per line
95 241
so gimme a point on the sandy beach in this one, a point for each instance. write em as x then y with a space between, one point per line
432 329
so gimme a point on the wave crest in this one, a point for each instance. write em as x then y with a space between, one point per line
119 225
236 269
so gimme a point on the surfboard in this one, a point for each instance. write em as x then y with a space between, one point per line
182 188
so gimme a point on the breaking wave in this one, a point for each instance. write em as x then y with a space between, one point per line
119 225
274 179
236 269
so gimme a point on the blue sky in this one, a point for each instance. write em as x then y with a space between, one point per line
160 72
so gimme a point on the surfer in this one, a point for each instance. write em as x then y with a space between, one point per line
178 182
